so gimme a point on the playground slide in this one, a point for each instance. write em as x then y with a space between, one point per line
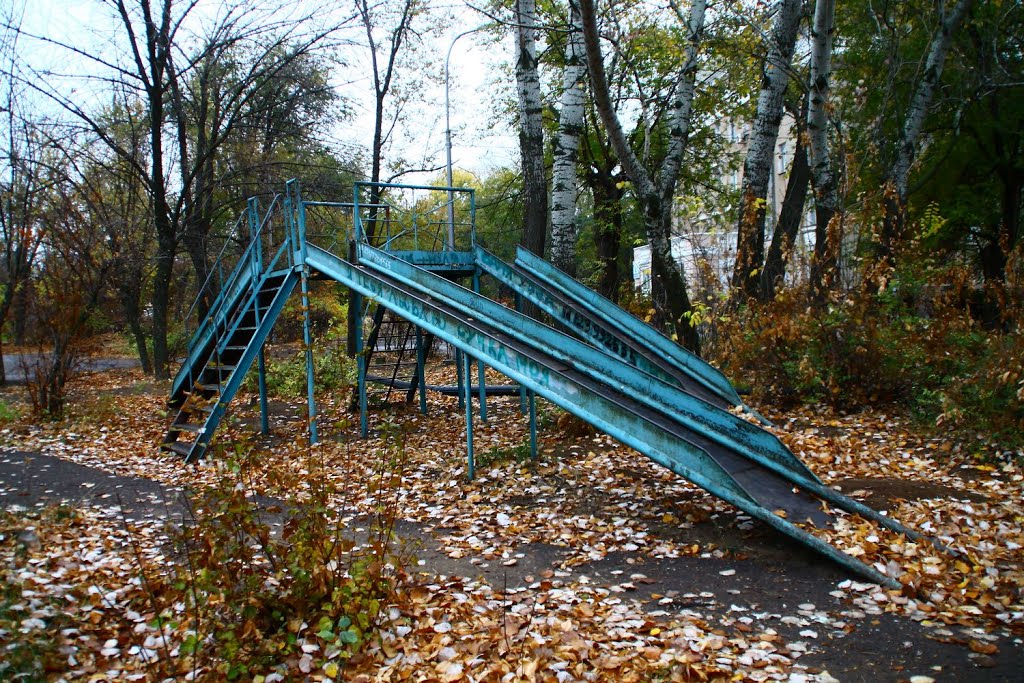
602 390
586 312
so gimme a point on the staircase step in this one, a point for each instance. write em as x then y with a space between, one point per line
200 409
215 388
182 448
223 367
193 427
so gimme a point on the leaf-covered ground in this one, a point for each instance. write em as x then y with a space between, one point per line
591 563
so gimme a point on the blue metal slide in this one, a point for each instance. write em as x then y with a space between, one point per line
609 369
727 456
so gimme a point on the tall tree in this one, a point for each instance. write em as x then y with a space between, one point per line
189 109
927 83
531 128
566 148
826 195
24 186
791 216
655 192
757 169
383 64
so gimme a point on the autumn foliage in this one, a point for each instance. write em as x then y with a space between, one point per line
930 341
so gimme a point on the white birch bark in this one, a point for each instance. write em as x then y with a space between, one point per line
566 150
668 283
922 99
825 191
757 168
817 114
531 128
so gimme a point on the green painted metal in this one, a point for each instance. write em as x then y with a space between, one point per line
421 370
231 294
673 413
298 217
744 438
227 387
480 367
704 418
470 458
533 426
253 213
629 326
606 408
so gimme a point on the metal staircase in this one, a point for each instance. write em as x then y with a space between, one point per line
220 377
391 362
231 333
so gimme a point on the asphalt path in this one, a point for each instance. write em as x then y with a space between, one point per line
17 366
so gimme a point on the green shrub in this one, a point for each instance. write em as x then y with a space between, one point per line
8 412
255 595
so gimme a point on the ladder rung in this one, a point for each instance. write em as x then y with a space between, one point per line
221 368
180 447
205 408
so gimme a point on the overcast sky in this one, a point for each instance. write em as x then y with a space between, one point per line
474 70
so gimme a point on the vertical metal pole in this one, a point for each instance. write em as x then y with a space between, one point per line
460 376
307 331
470 464
533 425
481 379
522 389
421 369
357 302
261 362
257 265
307 340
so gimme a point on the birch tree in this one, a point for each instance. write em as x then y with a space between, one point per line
655 191
531 128
757 168
927 83
566 148
826 196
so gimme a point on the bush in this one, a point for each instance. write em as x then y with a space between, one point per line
256 595
332 368
914 345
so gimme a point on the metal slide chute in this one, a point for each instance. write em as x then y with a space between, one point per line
624 417
601 364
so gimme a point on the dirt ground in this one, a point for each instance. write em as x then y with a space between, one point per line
743 578
780 583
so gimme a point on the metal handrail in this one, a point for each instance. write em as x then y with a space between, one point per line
236 273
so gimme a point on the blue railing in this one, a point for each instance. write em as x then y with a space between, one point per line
429 218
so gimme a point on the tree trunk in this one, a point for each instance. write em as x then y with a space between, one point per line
22 309
790 219
668 286
898 180
757 169
826 205
667 282
567 143
995 252
531 129
607 230
129 290
161 299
